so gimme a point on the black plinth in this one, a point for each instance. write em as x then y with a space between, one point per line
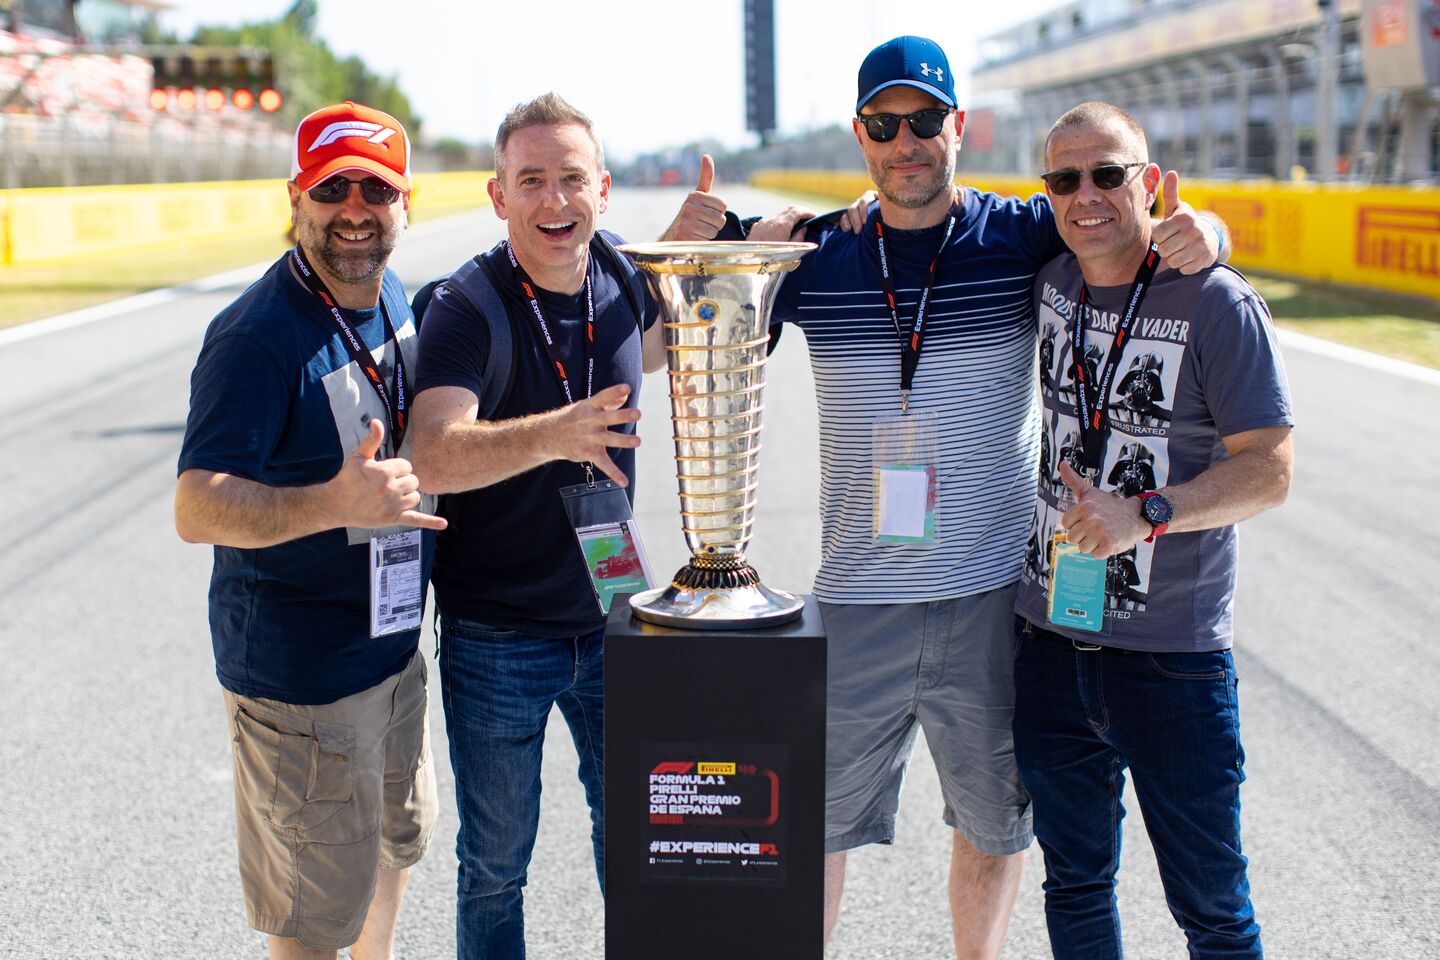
714 790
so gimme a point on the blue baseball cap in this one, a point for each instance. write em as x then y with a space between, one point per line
908 61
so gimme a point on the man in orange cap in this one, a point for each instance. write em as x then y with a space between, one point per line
293 467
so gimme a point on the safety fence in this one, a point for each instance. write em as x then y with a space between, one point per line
1379 237
72 223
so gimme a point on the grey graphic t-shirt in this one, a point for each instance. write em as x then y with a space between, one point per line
1201 363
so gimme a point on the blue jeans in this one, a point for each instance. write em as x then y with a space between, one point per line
499 686
1081 718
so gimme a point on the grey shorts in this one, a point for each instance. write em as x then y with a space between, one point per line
948 666
325 796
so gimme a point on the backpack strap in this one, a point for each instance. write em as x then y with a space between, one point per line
474 285
632 281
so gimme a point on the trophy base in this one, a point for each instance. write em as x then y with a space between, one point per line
701 598
752 702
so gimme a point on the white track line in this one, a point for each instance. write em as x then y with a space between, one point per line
1360 358
151 298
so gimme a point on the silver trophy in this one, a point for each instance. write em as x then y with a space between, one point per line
715 301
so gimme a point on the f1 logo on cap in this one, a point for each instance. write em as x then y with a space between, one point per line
370 132
926 70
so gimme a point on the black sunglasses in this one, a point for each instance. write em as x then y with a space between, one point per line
337 188
883 127
1107 176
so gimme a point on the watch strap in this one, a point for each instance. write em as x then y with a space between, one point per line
1156 529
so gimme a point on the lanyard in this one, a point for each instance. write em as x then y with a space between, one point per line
910 346
397 410
1090 400
556 361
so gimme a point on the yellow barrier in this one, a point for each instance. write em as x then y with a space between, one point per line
461 189
71 223
1385 237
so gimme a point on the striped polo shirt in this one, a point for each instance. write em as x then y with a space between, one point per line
977 372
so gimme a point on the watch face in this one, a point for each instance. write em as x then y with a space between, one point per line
1157 510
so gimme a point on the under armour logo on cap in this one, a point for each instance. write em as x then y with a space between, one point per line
350 136
907 61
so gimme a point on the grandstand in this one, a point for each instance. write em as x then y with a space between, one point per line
1289 89
70 115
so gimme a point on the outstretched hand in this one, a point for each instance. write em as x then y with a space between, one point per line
377 493
581 432
1187 241
1100 523
703 213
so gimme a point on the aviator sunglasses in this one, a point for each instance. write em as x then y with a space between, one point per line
337 188
1107 176
883 127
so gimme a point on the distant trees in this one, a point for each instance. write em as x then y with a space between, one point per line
307 71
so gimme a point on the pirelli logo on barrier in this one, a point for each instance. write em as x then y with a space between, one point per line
1246 220
1398 240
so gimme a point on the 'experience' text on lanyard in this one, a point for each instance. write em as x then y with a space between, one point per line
1090 398
557 362
395 399
910 346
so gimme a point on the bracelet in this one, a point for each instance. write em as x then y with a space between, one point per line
1220 234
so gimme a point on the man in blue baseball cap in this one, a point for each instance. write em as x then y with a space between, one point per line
922 336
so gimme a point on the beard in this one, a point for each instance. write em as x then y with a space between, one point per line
361 265
912 194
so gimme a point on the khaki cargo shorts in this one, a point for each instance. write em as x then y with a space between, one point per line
325 796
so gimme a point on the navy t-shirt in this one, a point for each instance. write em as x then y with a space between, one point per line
509 558
275 398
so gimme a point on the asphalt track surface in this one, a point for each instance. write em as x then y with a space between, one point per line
116 827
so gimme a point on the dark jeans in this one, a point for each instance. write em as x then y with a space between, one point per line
1081 718
499 686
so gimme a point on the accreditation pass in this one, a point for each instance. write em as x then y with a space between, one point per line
396 588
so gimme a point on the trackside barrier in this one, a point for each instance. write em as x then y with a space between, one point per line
1378 237
72 223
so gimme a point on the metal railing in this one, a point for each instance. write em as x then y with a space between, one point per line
76 149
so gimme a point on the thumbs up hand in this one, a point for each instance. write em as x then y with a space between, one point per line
1100 523
1187 241
376 493
702 214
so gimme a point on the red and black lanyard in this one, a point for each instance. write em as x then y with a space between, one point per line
910 346
557 362
395 398
1090 398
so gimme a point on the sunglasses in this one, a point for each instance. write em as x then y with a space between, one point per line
337 188
1107 176
883 127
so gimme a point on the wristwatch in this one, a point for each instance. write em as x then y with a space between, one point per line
1157 509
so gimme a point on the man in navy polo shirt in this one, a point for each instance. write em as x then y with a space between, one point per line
917 579
292 465
521 626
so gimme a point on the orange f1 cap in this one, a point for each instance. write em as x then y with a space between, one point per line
349 136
